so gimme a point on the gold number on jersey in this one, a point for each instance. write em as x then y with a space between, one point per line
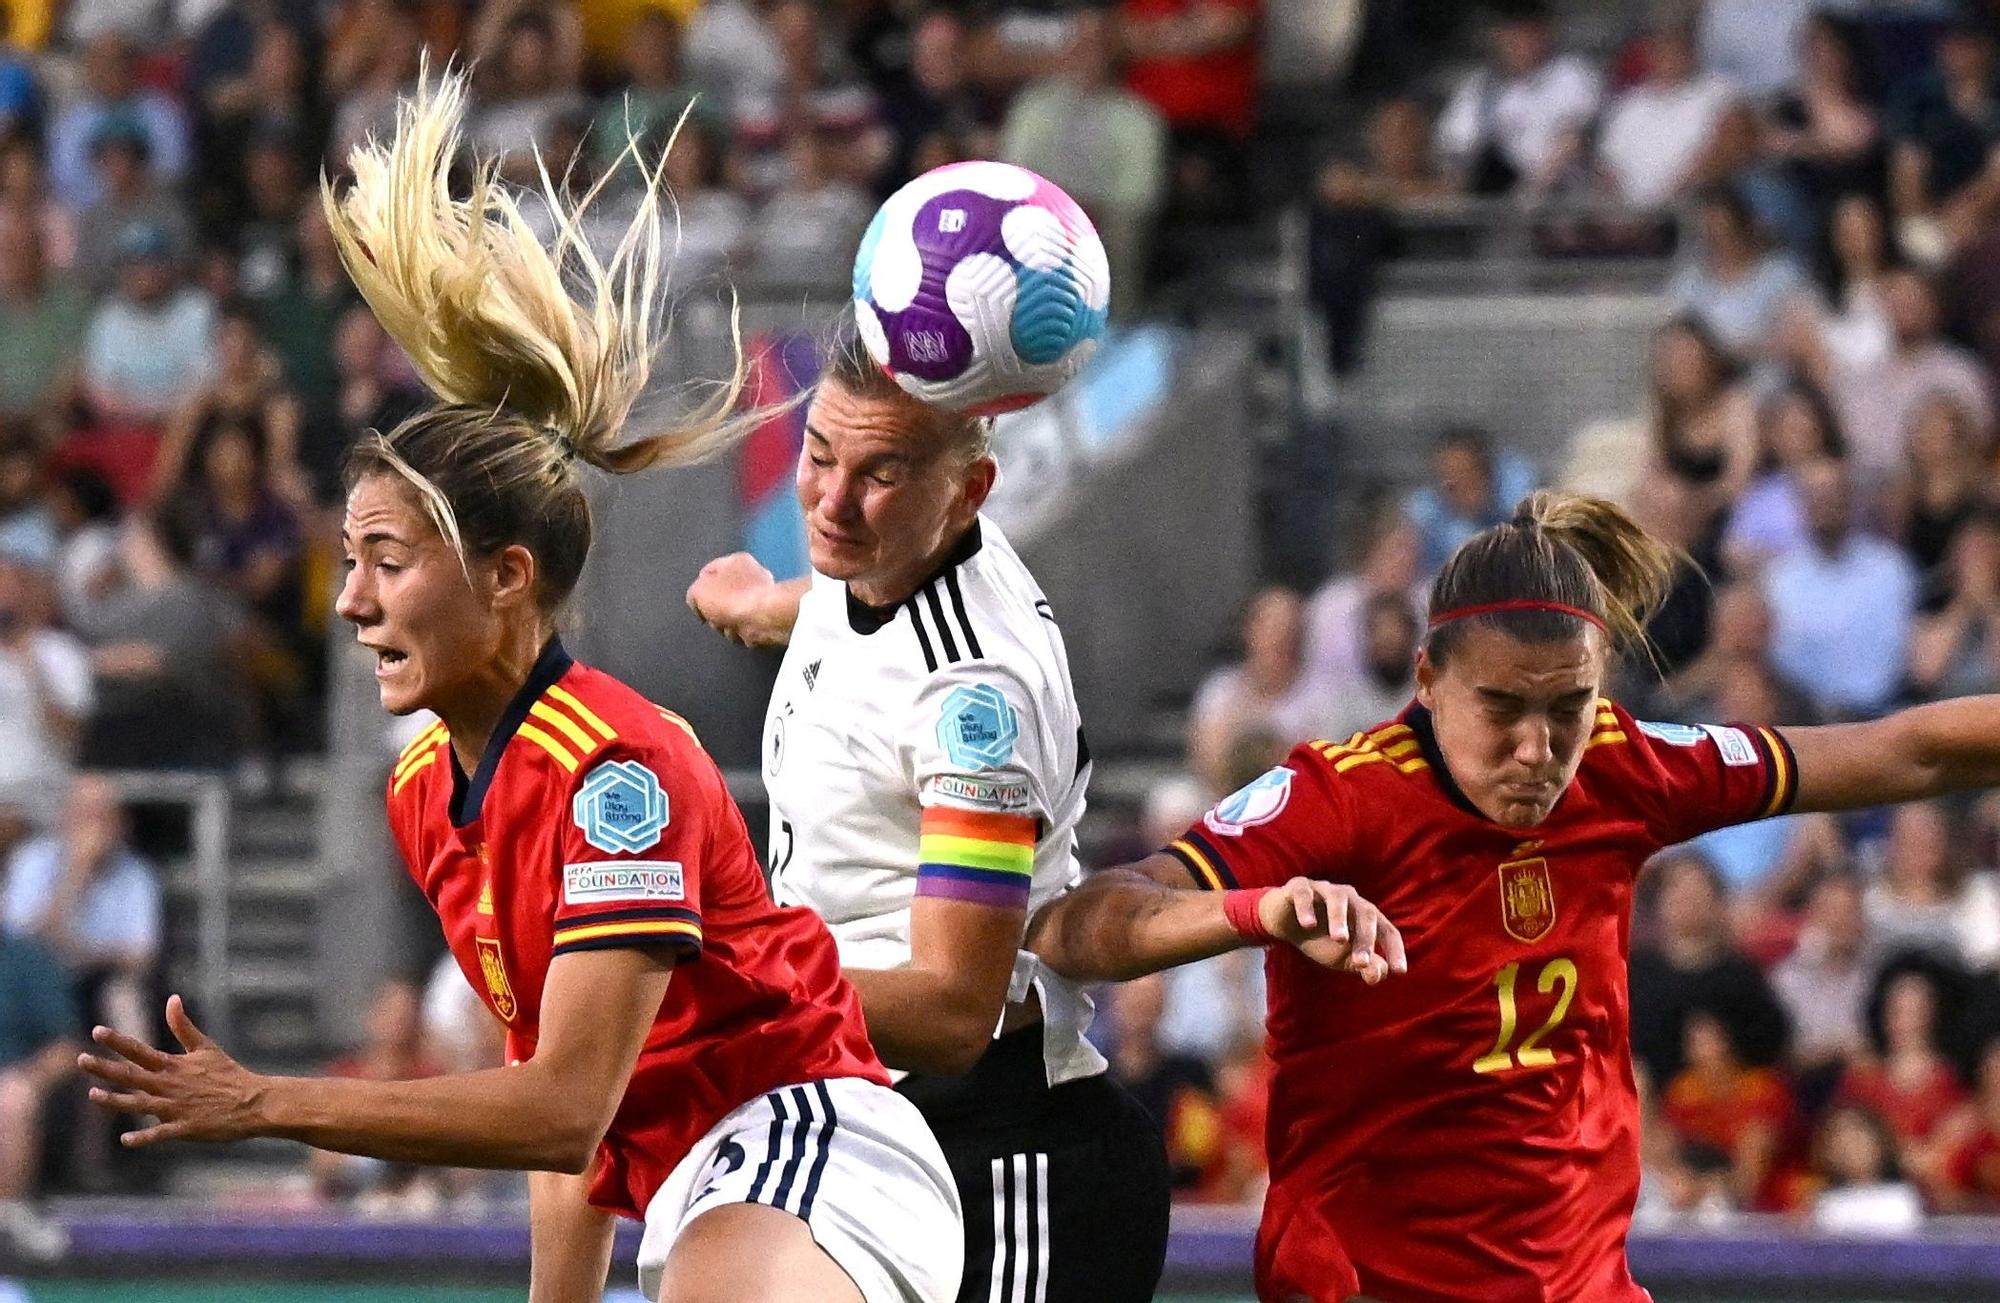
1557 972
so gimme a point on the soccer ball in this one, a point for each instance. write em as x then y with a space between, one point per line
981 287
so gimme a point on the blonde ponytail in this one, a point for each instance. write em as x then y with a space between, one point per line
1634 569
487 313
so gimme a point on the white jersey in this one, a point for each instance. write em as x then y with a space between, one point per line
958 700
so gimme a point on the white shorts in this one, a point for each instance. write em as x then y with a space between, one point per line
853 1160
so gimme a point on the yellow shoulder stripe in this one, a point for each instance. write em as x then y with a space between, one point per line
584 742
582 712
420 744
409 771
1605 738
562 754
678 723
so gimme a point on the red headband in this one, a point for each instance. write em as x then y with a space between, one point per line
1495 608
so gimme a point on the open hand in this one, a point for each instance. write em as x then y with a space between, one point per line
200 1094
1335 928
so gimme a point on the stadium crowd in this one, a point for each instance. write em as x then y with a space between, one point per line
1816 1001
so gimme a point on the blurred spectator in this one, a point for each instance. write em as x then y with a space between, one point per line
1386 682
164 651
1797 429
1719 1102
1336 617
299 323
1878 399
42 323
733 55
374 391
20 91
934 96
393 1050
1736 284
1692 964
245 392
1656 134
1907 1082
1928 898
111 91
1825 983
1084 131
817 94
1956 649
150 346
1841 606
1946 127
263 231
714 220
27 526
369 73
1825 130
1352 221
654 95
1177 1091
525 91
1195 61
128 194
262 89
498 23
1863 1190
1268 690
44 690
1942 486
1472 487
38 1049
25 198
85 512
459 1031
86 895
1756 43
1239 1172
1521 118
1969 1176
1861 250
1704 421
808 230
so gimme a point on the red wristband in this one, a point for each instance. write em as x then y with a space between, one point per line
1240 908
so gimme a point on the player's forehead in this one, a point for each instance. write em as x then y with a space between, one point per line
1495 663
857 426
381 509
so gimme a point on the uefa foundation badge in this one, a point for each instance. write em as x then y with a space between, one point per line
621 807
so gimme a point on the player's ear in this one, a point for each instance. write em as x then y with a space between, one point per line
513 576
977 482
1427 672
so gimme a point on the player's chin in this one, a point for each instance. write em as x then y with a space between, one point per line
835 560
1523 814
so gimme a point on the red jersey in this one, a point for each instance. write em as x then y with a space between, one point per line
596 820
1470 1130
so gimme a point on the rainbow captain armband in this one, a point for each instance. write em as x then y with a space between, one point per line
988 859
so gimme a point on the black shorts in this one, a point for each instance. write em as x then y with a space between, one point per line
1065 1189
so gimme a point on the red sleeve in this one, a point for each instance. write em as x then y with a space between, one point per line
1695 778
632 842
1292 821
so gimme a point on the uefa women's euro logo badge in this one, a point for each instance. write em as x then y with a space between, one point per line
1260 802
977 728
620 807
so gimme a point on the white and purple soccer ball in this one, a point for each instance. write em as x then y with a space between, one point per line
981 287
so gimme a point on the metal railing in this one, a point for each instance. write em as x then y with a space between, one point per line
208 803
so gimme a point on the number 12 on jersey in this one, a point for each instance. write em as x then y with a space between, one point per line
1503 1056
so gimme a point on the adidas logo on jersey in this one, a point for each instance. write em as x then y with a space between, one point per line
811 675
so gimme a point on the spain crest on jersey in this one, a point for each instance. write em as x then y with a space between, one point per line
494 968
1527 899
